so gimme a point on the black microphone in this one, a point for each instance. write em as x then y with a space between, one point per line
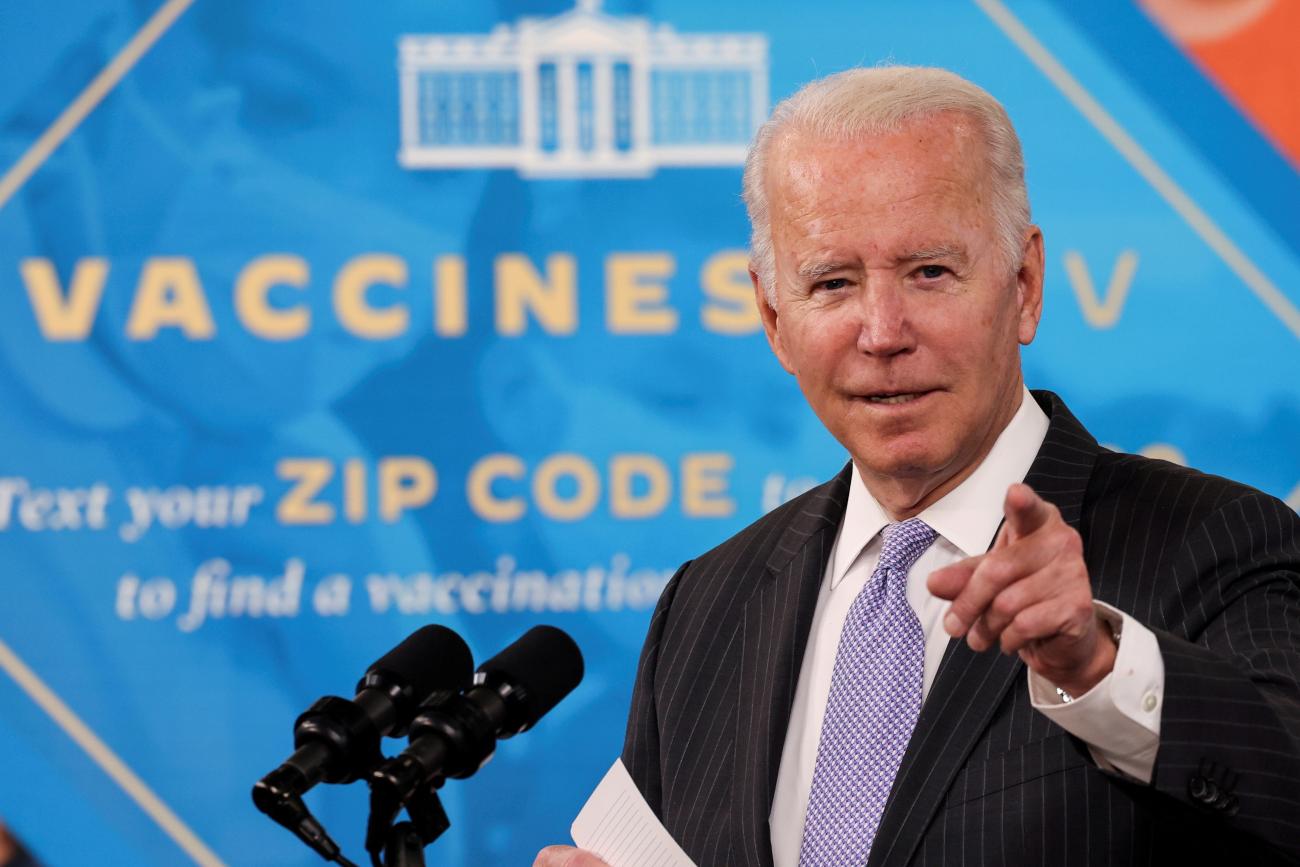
454 735
337 740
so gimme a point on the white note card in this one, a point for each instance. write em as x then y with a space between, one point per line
618 825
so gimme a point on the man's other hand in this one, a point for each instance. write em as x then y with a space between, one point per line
1030 595
567 856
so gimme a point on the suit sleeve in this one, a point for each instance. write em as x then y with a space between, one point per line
1230 725
1119 718
641 752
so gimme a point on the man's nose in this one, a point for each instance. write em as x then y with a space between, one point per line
886 329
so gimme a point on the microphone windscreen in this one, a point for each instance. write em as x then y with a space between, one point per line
545 665
430 658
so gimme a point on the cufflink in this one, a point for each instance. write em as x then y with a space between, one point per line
1116 624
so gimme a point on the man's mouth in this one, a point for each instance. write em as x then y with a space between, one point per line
891 398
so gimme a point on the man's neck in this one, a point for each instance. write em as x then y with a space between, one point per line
906 497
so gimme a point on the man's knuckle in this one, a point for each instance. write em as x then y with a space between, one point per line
999 572
1008 571
964 608
1006 605
1071 541
1010 639
1028 622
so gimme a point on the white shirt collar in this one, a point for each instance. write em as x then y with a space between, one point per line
969 515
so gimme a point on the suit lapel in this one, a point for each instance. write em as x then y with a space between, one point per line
969 686
775 625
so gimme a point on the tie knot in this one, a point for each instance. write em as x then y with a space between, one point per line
904 543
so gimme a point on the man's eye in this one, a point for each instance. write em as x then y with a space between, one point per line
932 272
833 284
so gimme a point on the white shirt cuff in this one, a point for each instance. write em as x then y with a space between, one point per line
1119 718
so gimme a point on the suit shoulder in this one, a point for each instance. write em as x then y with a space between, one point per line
701 610
1134 482
790 523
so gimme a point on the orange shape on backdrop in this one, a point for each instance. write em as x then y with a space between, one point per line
1251 48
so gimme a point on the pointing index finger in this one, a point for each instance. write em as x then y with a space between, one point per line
1025 510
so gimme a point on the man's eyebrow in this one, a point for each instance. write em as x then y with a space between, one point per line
813 270
943 251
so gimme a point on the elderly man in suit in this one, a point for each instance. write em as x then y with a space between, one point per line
988 640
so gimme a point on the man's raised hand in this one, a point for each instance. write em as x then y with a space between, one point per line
1030 595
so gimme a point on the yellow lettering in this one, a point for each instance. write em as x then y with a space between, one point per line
622 470
548 500
479 488
252 304
635 293
1104 312
169 295
519 288
450 304
704 485
404 483
350 287
297 506
731 308
61 318
354 490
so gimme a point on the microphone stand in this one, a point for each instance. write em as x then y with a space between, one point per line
402 844
402 847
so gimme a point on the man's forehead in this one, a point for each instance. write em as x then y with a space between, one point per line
805 162
920 187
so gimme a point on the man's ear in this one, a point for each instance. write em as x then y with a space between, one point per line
1029 285
771 323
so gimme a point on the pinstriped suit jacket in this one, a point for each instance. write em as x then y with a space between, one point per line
1213 567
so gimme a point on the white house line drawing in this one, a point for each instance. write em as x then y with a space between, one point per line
582 94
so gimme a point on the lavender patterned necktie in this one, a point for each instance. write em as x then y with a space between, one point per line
874 702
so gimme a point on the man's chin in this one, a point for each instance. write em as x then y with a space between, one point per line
898 464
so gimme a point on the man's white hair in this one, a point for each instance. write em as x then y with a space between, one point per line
858 103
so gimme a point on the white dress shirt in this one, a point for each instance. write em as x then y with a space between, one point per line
1119 718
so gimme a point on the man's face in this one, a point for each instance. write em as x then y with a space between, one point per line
896 309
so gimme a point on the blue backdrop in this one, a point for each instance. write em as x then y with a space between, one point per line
322 324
